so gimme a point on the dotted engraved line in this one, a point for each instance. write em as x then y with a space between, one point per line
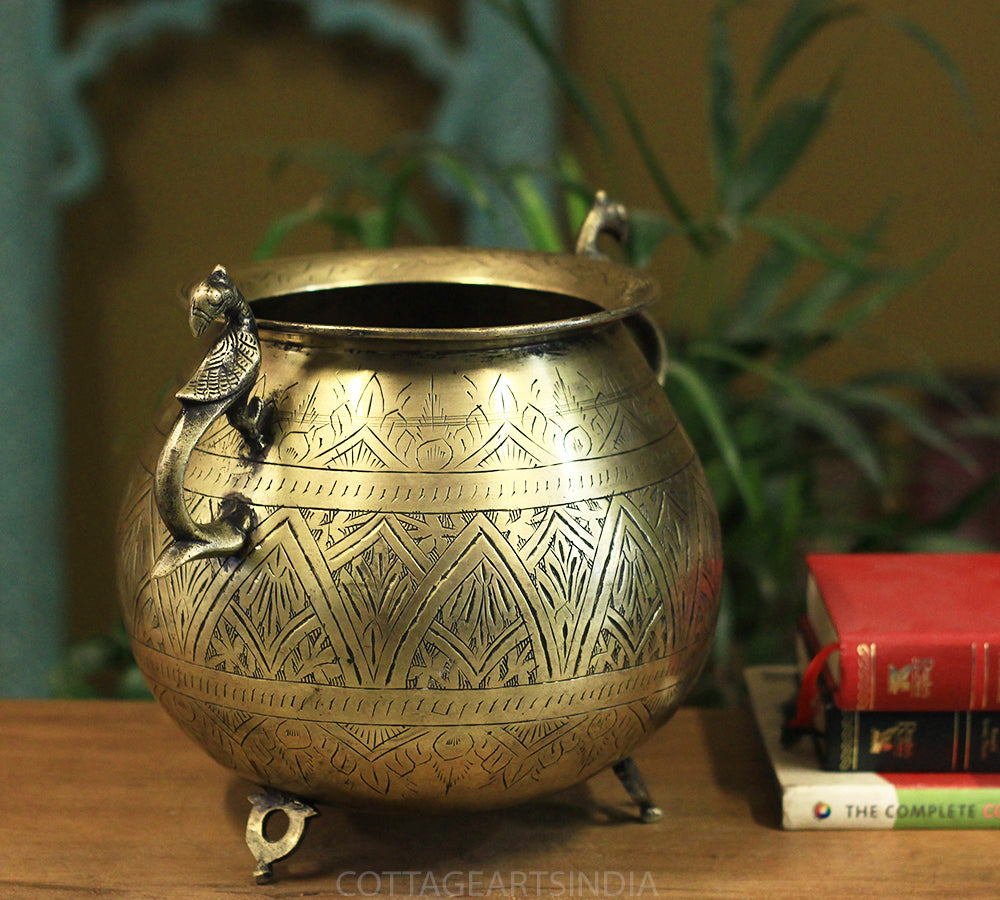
332 489
327 703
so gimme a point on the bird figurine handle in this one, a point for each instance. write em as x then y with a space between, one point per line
608 217
220 385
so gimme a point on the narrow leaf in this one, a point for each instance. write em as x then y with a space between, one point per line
762 292
809 310
677 207
837 427
279 230
970 504
941 56
785 137
910 418
927 381
646 231
807 406
393 202
803 20
892 284
535 216
577 197
805 240
724 112
711 413
979 426
460 173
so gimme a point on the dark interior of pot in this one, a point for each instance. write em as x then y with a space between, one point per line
415 305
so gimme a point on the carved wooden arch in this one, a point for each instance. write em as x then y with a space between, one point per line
467 73
51 154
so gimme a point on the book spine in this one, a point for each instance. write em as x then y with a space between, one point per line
884 807
855 741
879 674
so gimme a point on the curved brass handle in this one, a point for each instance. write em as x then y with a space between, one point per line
608 217
649 336
220 385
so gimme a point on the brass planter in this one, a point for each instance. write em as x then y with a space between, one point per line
470 557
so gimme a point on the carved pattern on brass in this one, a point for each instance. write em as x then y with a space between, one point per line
477 568
497 603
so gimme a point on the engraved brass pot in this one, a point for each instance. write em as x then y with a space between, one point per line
465 553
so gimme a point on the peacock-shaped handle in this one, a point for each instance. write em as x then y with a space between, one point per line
220 385
609 217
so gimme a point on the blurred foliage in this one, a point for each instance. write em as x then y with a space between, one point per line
101 666
794 463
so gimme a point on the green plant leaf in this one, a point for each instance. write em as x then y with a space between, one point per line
701 394
577 196
762 292
671 198
809 240
891 284
979 426
535 216
808 313
804 405
279 230
926 382
453 167
395 204
802 21
908 416
647 229
783 140
834 425
941 56
969 504
724 114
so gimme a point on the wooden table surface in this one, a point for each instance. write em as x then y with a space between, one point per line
110 799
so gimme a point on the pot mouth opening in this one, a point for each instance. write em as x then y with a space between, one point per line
422 306
441 293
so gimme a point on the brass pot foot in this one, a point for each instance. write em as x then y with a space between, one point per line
265 850
631 778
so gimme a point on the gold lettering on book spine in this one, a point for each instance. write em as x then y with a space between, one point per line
866 676
979 697
972 677
986 673
997 696
849 743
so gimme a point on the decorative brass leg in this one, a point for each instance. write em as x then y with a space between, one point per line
265 850
630 776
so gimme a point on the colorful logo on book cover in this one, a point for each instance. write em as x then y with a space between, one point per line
822 811
914 679
898 740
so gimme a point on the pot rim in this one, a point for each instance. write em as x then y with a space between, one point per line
618 291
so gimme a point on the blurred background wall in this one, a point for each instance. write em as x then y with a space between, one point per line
191 124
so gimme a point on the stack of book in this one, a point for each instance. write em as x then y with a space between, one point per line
892 719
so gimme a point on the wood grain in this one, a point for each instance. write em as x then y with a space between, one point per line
110 800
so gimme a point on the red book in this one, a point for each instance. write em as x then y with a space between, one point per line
912 631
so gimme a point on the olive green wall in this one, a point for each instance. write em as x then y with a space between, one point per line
190 128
